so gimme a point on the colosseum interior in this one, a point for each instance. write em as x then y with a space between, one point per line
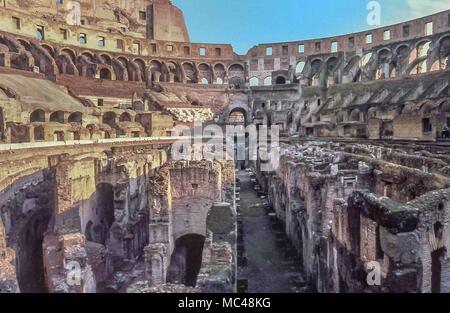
92 199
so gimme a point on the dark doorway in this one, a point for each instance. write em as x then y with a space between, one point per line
30 263
437 257
186 259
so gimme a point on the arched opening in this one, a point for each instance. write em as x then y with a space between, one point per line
219 72
300 67
105 74
37 116
268 81
236 73
186 260
354 116
205 72
106 59
189 73
444 54
97 229
70 53
254 81
57 117
49 50
280 80
109 118
238 117
142 69
30 259
88 56
156 69
76 117
125 117
173 72
313 76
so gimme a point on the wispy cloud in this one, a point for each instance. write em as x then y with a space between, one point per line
425 7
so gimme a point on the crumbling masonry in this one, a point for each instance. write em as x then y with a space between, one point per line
91 199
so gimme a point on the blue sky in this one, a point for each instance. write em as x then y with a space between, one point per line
245 23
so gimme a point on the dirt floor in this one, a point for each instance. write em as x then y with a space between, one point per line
268 268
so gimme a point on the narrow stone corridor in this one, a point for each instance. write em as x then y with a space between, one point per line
266 262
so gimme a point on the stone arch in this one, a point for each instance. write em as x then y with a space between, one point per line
125 117
280 80
205 72
186 259
238 116
354 115
156 70
75 117
70 53
444 52
219 72
105 73
173 72
268 81
142 68
384 64
49 49
254 81
37 116
300 67
105 58
57 117
332 65
109 118
189 72
236 74
89 56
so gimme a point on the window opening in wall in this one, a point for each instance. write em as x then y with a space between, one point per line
40 32
369 38
63 33
334 47
317 46
142 15
269 51
427 127
83 39
202 52
387 35
187 51
301 48
429 29
101 41
351 42
16 22
406 31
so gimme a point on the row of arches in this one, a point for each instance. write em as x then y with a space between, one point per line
419 57
268 81
39 116
106 66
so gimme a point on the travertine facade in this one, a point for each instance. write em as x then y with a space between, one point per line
91 200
